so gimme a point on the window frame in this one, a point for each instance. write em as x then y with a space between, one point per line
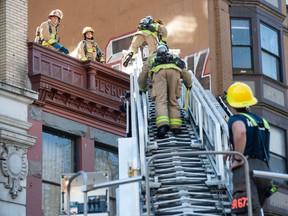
74 150
250 46
113 150
258 16
279 8
107 148
268 52
281 160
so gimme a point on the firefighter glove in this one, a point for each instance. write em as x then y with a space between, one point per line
142 91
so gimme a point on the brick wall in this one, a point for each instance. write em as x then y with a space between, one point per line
220 43
13 42
226 61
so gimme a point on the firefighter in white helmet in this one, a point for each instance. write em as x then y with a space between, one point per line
88 49
150 31
47 33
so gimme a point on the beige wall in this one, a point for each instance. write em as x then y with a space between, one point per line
186 20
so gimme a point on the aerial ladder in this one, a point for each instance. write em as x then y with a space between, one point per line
179 175
175 183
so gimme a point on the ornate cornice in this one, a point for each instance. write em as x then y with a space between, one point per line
90 107
84 91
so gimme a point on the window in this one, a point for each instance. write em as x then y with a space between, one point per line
275 3
57 158
123 43
241 45
270 52
116 46
277 164
278 151
106 160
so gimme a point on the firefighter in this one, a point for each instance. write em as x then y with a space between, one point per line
165 72
249 134
149 31
88 49
48 32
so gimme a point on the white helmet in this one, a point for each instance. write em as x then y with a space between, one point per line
58 13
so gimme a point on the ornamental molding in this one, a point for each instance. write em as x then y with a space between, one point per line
59 97
14 166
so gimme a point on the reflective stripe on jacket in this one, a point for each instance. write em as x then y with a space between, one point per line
155 34
161 66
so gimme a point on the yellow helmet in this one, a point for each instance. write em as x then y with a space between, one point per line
158 21
58 13
240 95
87 29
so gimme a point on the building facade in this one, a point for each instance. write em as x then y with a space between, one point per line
15 97
61 115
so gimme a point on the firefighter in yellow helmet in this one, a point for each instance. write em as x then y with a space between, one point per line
149 31
48 31
88 49
249 134
165 72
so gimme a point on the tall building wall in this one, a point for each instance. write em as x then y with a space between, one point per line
185 20
13 42
2 40
15 96
219 31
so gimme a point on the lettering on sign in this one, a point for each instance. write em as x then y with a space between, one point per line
109 88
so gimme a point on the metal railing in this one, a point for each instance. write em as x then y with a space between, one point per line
139 111
86 188
246 167
84 176
112 183
264 174
209 122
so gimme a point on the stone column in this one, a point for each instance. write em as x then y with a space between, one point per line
91 82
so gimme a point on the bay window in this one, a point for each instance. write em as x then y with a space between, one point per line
241 45
270 56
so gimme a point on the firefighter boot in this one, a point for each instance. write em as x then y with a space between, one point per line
176 131
162 130
127 59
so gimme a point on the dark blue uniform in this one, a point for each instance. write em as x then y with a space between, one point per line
253 148
257 139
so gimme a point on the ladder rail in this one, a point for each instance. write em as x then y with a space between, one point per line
209 122
138 107
191 153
